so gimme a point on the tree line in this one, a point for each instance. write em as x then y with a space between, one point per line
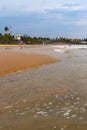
9 38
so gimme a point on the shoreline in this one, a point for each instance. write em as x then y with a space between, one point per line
49 97
15 62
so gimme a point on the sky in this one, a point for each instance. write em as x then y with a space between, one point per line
45 18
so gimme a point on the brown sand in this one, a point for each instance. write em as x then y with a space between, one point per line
11 62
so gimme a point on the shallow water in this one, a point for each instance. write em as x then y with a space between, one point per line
50 97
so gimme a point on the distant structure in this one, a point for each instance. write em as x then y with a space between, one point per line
18 37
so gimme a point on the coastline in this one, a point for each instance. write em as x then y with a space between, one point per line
53 96
2 46
14 62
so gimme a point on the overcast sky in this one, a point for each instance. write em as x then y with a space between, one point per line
45 18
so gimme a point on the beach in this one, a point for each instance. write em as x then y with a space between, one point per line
13 62
50 96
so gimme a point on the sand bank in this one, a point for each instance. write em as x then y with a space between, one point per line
11 62
6 45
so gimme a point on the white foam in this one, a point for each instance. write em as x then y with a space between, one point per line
59 50
63 48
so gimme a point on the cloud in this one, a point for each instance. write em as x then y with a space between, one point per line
44 16
72 7
21 7
81 22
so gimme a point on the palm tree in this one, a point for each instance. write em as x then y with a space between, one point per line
6 29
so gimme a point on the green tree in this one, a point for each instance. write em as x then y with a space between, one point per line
6 29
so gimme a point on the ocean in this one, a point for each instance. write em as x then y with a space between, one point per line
50 97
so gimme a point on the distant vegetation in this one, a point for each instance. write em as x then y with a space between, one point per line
9 38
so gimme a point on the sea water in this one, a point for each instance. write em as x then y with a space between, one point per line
47 98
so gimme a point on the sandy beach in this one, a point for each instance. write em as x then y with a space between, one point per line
11 62
50 97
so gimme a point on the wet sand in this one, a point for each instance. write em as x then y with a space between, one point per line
11 62
51 97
